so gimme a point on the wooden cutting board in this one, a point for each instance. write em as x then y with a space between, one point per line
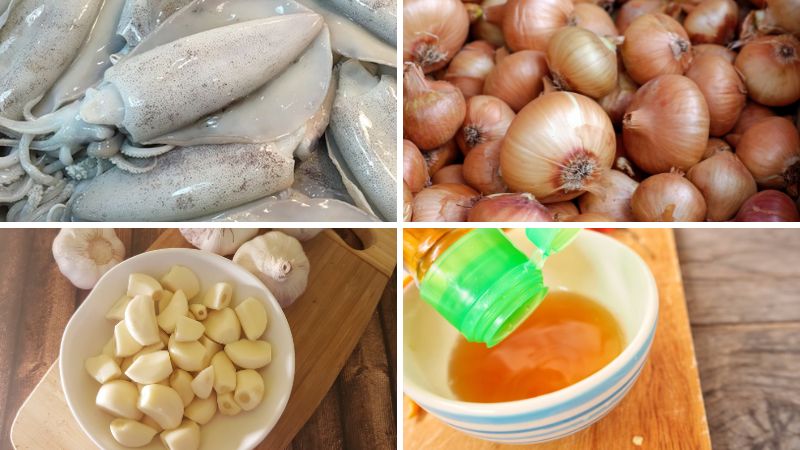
664 410
327 321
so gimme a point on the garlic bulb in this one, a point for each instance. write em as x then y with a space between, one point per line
301 234
277 259
83 255
222 241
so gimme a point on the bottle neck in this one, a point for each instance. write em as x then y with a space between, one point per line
422 246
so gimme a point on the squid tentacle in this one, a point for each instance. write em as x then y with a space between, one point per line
17 191
49 123
25 160
11 174
106 148
10 160
127 166
133 151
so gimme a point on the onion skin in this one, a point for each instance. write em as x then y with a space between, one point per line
469 68
655 44
433 31
723 90
770 150
633 9
415 170
771 69
441 157
714 49
615 202
666 125
751 114
582 62
528 24
780 16
444 203
509 208
768 206
594 19
558 147
725 184
482 169
449 174
433 111
618 100
563 211
517 78
714 146
712 22
590 217
408 199
668 197
486 122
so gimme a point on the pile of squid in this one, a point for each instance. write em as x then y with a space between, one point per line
166 110
601 110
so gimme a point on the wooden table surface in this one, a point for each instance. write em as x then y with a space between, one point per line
743 293
36 302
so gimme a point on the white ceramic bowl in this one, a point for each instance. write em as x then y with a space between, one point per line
88 331
594 265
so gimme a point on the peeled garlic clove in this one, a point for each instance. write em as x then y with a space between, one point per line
249 389
188 356
163 301
181 278
147 420
149 349
141 284
253 317
103 368
202 410
150 368
124 344
187 330
185 437
212 348
131 433
219 296
119 398
162 404
224 373
227 405
223 326
110 349
249 354
277 259
203 382
177 307
117 311
140 320
83 255
199 311
181 381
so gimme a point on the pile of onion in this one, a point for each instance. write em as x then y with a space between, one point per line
601 110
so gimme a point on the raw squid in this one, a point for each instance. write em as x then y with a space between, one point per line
140 17
378 16
293 206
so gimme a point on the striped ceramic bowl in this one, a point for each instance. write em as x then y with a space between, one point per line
595 265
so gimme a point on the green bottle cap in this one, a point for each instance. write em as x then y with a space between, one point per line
484 286
550 241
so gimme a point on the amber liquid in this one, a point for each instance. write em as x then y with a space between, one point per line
566 339
421 247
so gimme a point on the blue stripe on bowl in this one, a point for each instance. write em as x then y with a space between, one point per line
605 405
548 412
564 429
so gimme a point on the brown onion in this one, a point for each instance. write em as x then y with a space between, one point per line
616 102
668 197
725 184
780 16
441 157
770 150
489 32
723 90
666 125
558 147
482 169
714 49
415 170
615 201
433 31
563 211
408 198
712 22
444 203
528 24
594 19
486 122
768 206
517 78
633 9
509 208
715 146
469 68
751 114
449 174
771 69
433 111
590 217
655 44
582 61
